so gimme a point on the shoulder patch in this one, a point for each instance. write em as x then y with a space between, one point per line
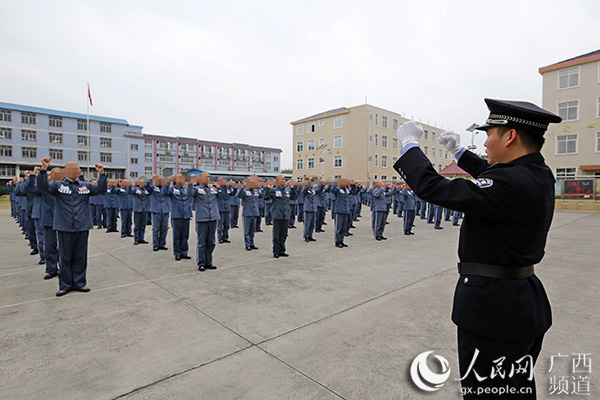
484 182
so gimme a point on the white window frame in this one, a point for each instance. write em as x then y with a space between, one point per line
568 71
55 135
566 172
300 129
566 145
376 142
148 143
376 119
83 155
133 147
395 124
148 171
558 108
426 150
433 152
338 157
148 157
384 141
338 122
56 154
310 161
133 160
321 122
426 134
299 146
300 163
395 143
384 121
310 145
433 136
335 141
598 107
312 127
321 141
376 160
597 142
105 157
384 161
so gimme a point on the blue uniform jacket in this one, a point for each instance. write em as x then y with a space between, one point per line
341 198
250 199
409 201
159 200
311 196
224 193
181 202
110 198
281 200
205 202
72 201
31 190
141 199
125 199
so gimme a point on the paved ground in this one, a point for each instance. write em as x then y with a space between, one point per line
325 323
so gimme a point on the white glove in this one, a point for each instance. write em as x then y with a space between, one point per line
409 132
450 142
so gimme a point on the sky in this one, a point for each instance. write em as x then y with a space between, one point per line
241 71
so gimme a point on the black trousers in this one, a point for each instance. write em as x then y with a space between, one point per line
280 232
72 250
500 356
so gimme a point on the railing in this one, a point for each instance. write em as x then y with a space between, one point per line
578 188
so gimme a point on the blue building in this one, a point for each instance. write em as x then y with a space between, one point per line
28 134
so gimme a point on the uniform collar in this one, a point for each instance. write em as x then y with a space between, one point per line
526 159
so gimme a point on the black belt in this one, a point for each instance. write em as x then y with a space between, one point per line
495 271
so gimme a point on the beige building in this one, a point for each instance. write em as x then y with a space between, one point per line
358 143
571 89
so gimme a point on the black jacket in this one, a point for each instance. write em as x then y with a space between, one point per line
508 212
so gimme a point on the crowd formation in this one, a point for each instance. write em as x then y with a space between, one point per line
56 210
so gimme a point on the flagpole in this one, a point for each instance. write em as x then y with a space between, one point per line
88 133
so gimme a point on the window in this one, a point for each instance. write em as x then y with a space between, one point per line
383 161
299 163
376 140
395 143
5 115
384 141
56 154
8 170
565 172
133 147
29 152
311 163
55 122
446 155
375 177
82 140
105 127
28 136
337 122
568 78
394 159
82 156
147 144
167 158
133 174
598 108
337 161
394 124
311 127
432 151
597 141
569 110
440 153
337 141
106 157
105 142
321 122
187 160
566 144
82 124
300 129
148 171
148 157
275 159
5 150
394 178
311 144
321 141
55 138
426 134
299 146
384 120
439 167
433 136
28 118
426 150
376 119
376 157
133 160
384 177
5 133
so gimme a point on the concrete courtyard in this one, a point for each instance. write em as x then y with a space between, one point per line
325 323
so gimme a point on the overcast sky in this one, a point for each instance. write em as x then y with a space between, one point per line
241 71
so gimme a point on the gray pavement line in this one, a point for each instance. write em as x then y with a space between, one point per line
356 305
182 372
552 228
23 270
303 374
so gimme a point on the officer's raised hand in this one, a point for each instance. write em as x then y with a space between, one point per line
409 133
36 170
46 162
100 168
450 142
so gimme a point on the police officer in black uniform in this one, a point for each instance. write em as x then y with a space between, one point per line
500 306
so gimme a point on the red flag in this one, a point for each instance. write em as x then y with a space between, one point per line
90 95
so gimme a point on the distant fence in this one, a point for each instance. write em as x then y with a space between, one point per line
581 188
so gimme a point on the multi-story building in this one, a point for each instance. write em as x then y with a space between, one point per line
571 89
28 134
358 143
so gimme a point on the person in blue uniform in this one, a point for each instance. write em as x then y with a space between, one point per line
72 221
500 306
125 207
321 211
29 224
234 211
111 205
98 209
300 206
456 216
437 216
408 206
261 206
50 235
207 215
250 197
30 188
281 195
225 191
160 207
380 207
310 195
181 213
341 209
292 213
141 206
